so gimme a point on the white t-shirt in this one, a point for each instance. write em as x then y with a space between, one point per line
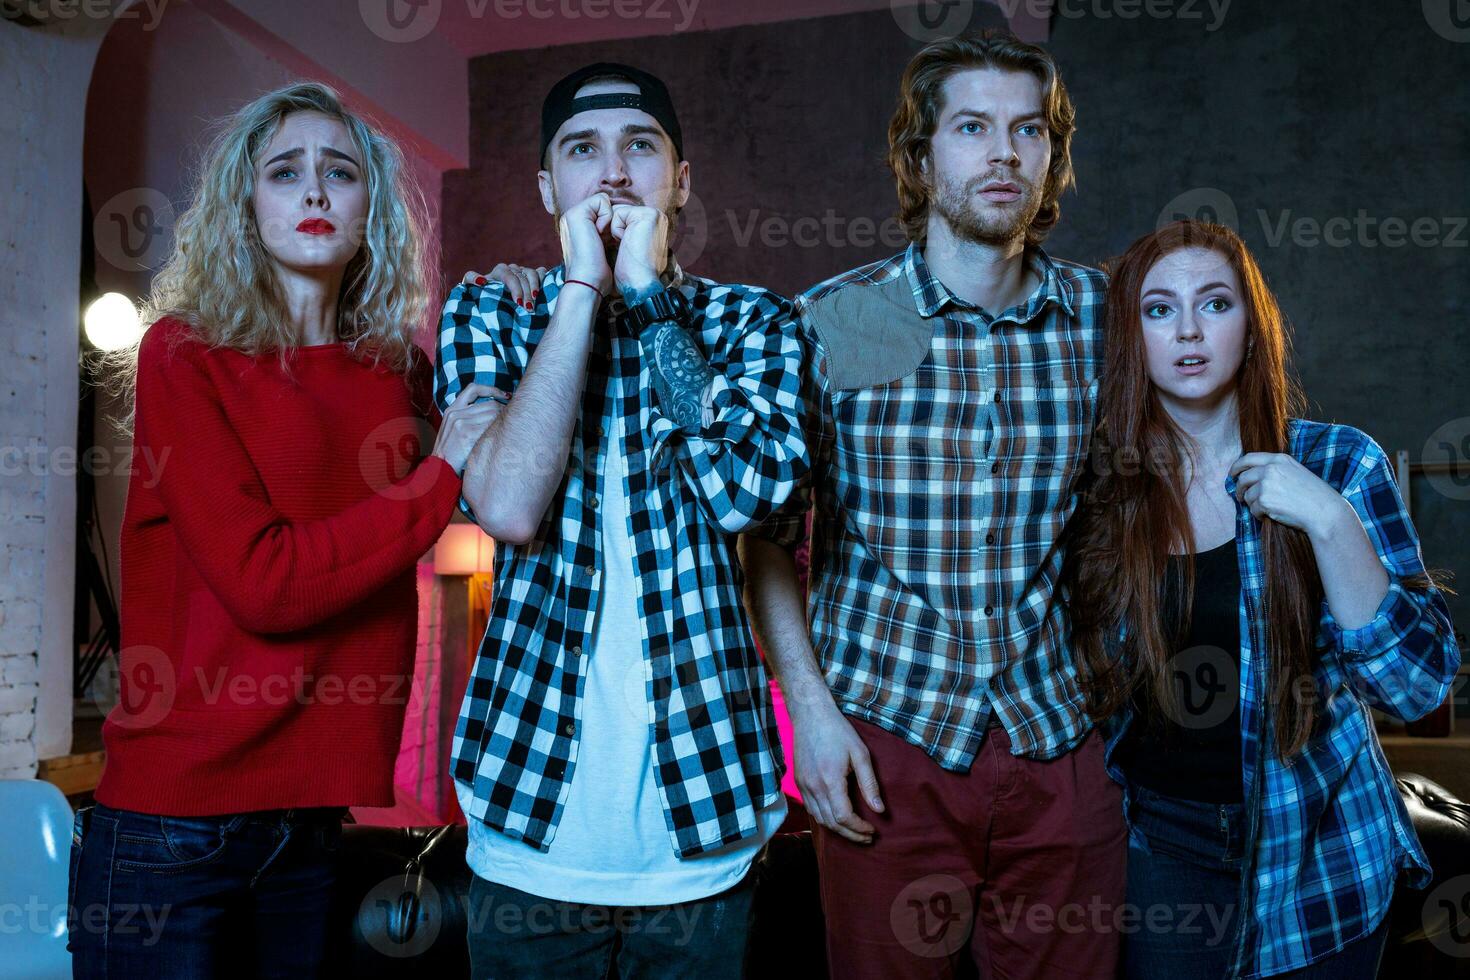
613 845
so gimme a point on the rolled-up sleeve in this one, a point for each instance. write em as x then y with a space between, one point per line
746 462
1404 659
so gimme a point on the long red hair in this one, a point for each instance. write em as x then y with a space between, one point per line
1134 513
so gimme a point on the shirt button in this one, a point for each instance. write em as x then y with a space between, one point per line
569 728
599 432
990 539
576 651
989 610
592 502
995 467
590 570
997 397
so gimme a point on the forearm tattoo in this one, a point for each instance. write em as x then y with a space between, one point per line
680 373
632 295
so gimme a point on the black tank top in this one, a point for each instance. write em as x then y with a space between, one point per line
1193 752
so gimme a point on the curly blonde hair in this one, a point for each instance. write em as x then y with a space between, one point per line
219 277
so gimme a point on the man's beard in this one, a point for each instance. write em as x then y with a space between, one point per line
972 220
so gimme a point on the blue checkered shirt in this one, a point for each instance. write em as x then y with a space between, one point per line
1328 831
717 754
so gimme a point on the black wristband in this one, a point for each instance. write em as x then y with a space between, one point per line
667 304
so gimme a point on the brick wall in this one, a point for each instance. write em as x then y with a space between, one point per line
44 73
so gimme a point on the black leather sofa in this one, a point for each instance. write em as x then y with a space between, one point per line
401 906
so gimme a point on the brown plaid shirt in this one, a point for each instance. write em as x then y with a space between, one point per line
945 448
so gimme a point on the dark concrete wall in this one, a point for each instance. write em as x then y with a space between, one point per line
1278 117
783 123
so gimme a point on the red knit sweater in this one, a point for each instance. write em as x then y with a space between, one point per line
269 607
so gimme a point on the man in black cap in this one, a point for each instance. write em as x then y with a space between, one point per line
616 755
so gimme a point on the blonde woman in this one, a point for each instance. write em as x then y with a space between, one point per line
268 589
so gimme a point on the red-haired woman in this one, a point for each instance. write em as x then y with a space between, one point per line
1244 585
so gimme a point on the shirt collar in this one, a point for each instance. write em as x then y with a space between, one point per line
931 296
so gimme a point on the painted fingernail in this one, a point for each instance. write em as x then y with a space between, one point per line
480 280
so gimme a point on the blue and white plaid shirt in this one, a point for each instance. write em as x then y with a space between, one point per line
1328 831
718 756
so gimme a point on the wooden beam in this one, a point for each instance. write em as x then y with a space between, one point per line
73 774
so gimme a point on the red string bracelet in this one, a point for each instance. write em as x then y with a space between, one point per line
589 285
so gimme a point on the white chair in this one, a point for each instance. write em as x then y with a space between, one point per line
35 828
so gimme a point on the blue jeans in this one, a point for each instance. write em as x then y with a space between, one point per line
514 935
242 894
1184 863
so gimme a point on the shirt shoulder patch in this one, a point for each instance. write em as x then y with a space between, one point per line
872 332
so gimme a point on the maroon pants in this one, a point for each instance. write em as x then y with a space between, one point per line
1019 864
